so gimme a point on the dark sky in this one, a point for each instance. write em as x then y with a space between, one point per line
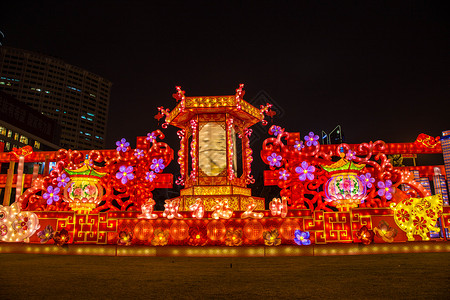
377 68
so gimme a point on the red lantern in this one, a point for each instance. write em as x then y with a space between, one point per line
288 228
216 230
143 230
253 230
179 230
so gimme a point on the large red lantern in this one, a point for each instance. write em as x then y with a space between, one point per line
344 189
84 191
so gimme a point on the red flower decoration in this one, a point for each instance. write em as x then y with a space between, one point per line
61 238
125 238
420 223
197 236
365 235
403 215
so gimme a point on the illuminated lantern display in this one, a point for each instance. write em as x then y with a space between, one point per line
212 129
83 192
344 189
171 209
147 210
17 225
278 207
417 216
198 209
327 193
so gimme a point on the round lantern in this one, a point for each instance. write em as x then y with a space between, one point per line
253 230
143 230
288 228
179 230
84 191
216 230
344 189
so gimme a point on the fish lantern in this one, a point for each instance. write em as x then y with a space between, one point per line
344 189
17 225
84 191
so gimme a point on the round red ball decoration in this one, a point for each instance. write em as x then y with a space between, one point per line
253 230
288 228
143 230
179 230
216 230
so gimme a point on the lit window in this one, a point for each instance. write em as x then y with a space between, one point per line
9 133
24 139
2 130
37 145
16 136
7 146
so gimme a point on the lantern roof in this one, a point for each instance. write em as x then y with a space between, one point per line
235 106
86 170
343 165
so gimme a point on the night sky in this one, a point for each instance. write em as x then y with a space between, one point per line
378 69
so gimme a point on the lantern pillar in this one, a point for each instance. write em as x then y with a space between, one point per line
208 156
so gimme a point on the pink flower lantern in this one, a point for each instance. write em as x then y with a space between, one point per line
344 189
84 191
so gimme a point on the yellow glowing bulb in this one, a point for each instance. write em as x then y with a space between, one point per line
197 236
305 171
387 189
124 173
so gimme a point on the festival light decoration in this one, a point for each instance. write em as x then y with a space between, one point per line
233 238
344 189
385 232
61 237
84 191
418 216
271 238
125 238
46 234
302 238
171 209
147 210
160 237
278 207
249 213
17 225
221 210
198 209
365 235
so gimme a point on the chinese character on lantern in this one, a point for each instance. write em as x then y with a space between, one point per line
147 210
198 209
171 209
249 213
222 210
278 207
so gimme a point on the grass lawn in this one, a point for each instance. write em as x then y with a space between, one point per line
388 276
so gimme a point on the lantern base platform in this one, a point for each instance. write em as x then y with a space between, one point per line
220 251
235 202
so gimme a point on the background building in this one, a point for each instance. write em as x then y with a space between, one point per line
77 99
21 125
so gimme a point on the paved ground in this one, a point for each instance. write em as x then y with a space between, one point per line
390 276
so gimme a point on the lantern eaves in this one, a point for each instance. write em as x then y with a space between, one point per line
241 109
